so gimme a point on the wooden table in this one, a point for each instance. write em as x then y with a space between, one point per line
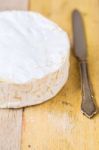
58 124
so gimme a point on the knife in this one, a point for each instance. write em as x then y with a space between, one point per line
88 107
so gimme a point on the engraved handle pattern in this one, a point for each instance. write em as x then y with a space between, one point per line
88 107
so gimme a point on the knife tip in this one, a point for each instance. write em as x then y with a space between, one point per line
75 12
75 15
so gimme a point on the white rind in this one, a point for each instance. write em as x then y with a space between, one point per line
35 92
16 92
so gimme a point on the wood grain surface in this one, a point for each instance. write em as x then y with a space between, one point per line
10 129
58 124
13 4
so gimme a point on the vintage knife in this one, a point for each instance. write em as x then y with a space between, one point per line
88 106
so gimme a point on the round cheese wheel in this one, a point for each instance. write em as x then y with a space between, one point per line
34 59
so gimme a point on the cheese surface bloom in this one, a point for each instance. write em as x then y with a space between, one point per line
34 56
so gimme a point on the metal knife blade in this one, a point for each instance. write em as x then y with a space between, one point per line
79 36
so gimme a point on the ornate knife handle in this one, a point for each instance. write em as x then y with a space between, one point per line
88 107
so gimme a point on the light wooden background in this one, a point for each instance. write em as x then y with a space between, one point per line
58 124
